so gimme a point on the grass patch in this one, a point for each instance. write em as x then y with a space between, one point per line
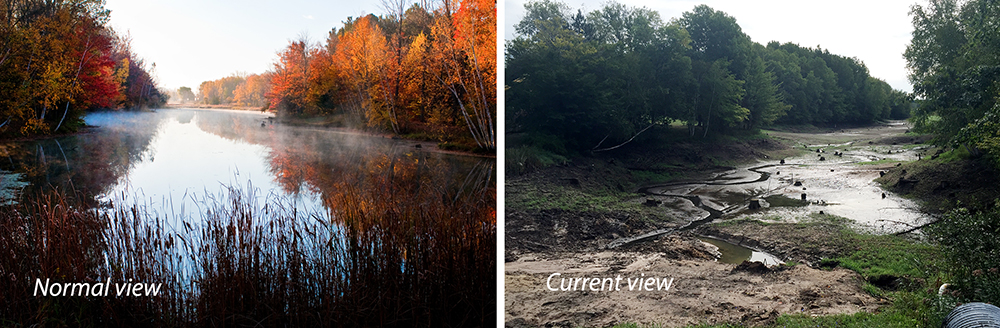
650 176
953 155
879 162
420 136
525 159
570 199
897 268
908 309
877 256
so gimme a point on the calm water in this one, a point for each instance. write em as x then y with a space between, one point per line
173 159
735 254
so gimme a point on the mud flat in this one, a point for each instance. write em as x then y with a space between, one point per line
702 290
834 170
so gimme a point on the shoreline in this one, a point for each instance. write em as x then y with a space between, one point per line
428 146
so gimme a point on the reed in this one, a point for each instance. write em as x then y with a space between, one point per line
387 252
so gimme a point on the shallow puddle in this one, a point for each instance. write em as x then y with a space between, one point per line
735 254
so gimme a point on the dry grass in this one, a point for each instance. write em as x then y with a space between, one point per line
389 252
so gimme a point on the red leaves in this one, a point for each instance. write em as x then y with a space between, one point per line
58 62
433 70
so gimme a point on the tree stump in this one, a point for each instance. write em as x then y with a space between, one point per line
652 202
754 204
798 183
803 196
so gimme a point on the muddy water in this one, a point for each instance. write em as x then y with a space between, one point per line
832 184
734 254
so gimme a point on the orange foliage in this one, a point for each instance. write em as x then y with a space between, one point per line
251 92
59 59
432 72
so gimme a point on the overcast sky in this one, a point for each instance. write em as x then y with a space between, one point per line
875 31
192 41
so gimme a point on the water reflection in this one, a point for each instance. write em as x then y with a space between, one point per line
199 201
170 158
734 254
90 162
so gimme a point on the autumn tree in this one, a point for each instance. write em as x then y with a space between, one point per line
466 64
221 91
362 59
252 91
414 69
289 77
59 59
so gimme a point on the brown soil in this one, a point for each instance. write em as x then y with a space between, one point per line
702 290
558 230
943 186
802 243
570 239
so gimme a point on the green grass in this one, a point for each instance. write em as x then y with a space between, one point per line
878 162
913 264
571 199
525 159
908 309
650 176
953 155
882 255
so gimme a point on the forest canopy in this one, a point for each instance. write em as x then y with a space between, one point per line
59 59
591 81
412 70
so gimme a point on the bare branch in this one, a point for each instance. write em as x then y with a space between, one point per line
626 141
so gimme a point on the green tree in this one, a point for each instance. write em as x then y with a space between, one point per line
716 36
594 82
955 67
186 94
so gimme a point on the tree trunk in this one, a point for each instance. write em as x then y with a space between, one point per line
83 59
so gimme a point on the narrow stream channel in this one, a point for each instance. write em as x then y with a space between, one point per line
695 200
839 185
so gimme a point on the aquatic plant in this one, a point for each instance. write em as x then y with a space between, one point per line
391 252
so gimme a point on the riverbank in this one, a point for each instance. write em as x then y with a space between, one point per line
239 224
225 107
433 140
571 217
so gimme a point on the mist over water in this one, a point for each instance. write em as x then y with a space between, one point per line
250 222
171 160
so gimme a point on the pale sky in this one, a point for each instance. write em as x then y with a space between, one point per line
874 31
192 41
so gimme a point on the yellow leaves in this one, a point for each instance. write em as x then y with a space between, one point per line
34 125
363 57
417 51
251 92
